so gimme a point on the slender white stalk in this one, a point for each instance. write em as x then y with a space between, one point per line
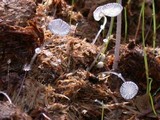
5 94
8 68
118 40
8 71
103 48
117 74
99 102
100 30
128 89
95 60
46 116
33 58
20 89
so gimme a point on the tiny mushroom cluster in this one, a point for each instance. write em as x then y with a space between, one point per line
57 27
110 10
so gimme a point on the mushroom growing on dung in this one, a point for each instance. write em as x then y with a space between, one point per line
128 89
59 27
110 10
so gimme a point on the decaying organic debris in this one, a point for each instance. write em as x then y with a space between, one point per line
58 86
68 53
18 43
16 12
9 111
132 66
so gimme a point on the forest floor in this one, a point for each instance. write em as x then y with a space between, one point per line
58 86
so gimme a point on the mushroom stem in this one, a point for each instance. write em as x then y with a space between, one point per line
33 58
46 116
117 74
100 30
118 40
104 46
5 94
21 86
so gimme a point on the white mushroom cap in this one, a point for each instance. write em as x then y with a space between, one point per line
112 9
59 27
97 14
38 50
128 90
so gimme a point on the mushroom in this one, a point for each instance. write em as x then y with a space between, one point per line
100 64
128 89
118 40
59 27
97 14
37 51
27 68
110 10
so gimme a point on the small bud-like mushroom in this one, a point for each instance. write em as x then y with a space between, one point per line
106 40
27 67
128 90
59 27
38 50
9 61
100 64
